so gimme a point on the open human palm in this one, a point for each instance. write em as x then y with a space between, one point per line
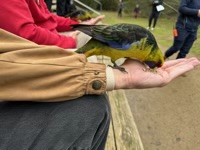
138 78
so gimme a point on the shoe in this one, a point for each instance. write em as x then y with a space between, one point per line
152 29
148 28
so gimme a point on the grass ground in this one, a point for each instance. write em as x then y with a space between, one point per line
163 31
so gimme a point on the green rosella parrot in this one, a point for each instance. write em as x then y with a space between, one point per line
79 15
121 41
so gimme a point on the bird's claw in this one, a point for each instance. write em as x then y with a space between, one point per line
122 69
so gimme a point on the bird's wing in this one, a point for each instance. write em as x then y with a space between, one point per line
119 36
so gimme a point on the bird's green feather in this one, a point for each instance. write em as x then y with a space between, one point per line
143 45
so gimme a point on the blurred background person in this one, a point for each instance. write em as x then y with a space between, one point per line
186 28
121 7
154 14
136 11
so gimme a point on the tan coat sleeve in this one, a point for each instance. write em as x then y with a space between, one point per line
31 72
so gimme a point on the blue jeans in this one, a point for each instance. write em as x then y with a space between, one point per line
182 43
80 124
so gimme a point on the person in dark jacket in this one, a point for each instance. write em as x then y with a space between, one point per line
186 28
154 14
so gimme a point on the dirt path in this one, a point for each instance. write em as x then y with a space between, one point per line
168 118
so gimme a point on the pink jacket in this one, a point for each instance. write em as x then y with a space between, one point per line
31 19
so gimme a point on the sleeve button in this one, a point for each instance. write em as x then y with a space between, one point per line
96 73
96 85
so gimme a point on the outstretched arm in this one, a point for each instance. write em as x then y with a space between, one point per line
34 72
138 78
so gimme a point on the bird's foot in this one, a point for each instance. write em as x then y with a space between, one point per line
122 69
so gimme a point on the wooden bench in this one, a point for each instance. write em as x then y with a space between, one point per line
123 132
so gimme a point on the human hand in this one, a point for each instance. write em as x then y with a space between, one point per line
74 34
93 21
138 78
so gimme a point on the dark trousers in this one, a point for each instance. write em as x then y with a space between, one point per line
153 17
80 124
120 12
182 43
49 4
63 7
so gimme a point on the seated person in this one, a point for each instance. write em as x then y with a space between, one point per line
80 115
33 21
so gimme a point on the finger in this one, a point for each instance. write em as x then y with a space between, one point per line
195 59
75 34
180 70
178 66
100 17
97 19
172 63
178 62
191 61
177 70
195 62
